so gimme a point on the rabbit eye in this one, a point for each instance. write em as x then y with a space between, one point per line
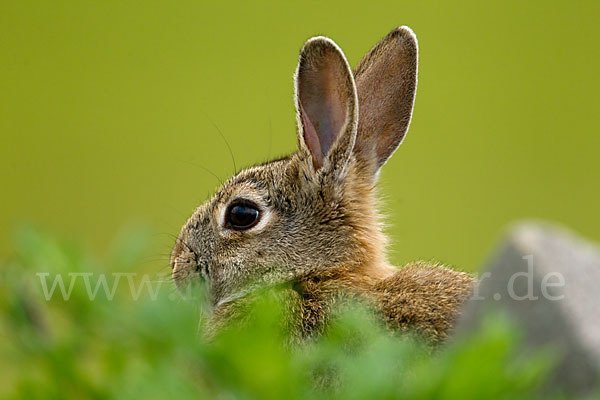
242 215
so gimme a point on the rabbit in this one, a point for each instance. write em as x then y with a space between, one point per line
310 220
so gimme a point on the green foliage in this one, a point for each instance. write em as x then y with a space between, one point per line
151 348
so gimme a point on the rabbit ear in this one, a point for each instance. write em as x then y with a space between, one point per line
326 104
386 80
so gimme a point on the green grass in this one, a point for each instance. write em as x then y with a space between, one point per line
150 348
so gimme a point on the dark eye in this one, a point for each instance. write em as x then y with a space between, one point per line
242 215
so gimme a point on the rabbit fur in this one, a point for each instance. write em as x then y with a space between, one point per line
318 230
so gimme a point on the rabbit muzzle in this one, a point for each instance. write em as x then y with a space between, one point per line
187 267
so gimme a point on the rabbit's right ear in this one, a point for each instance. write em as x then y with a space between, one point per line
386 80
326 105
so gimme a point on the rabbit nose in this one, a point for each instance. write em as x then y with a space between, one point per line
186 267
176 253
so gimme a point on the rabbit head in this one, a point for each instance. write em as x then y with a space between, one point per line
313 213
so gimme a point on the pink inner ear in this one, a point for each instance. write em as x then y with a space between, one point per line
325 90
311 139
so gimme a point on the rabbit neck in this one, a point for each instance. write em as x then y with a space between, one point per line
369 250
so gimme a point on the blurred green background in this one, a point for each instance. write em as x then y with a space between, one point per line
107 111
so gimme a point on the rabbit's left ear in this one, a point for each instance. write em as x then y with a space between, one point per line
326 104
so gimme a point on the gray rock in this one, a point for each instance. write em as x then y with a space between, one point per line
547 280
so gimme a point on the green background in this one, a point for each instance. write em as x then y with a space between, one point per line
107 111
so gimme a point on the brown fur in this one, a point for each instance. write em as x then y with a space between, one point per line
319 230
